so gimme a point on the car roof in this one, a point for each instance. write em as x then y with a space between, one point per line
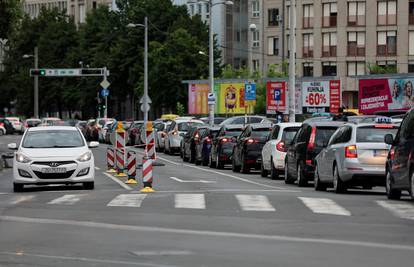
233 126
44 128
289 124
325 123
260 125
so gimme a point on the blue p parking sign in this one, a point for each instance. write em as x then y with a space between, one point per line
277 95
249 91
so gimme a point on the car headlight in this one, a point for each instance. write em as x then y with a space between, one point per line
85 157
22 158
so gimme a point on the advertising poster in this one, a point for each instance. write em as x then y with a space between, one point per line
316 96
276 97
231 99
385 94
197 98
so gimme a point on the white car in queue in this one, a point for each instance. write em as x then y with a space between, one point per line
53 155
274 151
176 131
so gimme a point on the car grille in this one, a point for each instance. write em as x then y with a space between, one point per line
50 163
65 175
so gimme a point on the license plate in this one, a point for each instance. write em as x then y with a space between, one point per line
380 153
54 170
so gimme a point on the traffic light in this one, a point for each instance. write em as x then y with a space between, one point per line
37 72
101 106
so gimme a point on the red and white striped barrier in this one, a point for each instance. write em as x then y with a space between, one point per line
120 150
120 162
147 172
150 142
110 159
132 167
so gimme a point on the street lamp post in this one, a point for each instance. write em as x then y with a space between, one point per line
36 83
145 97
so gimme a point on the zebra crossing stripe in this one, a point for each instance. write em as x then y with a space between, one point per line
399 209
190 201
254 203
324 206
127 200
66 200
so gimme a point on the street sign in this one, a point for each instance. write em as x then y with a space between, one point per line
250 91
277 94
104 92
62 72
69 72
211 99
105 84
145 108
141 100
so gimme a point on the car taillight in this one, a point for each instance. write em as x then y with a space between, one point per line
311 144
281 146
250 141
207 140
351 152
1 124
392 153
224 140
308 162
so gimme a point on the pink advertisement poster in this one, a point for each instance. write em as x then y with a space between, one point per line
197 98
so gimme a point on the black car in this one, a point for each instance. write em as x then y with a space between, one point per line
399 166
203 147
7 125
222 145
311 138
247 152
189 141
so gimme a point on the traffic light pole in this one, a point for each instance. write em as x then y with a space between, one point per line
36 85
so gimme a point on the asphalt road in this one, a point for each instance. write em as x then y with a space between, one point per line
200 217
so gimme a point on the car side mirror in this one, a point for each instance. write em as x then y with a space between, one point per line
93 144
12 146
388 139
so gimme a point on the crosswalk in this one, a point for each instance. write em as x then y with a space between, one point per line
245 203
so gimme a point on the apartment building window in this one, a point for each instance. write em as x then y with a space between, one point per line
191 10
255 64
391 65
387 13
356 44
330 13
255 9
199 9
82 13
356 13
356 68
307 45
329 44
308 69
386 43
329 68
411 13
256 38
287 21
93 5
411 43
307 16
207 8
273 17
411 66
273 46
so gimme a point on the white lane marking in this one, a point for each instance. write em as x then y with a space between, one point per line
226 191
190 201
19 199
153 229
97 168
66 200
219 173
127 200
162 253
83 259
191 181
399 209
254 203
324 206
125 186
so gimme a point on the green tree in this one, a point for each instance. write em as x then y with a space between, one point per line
10 14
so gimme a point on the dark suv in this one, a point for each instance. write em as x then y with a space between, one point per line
399 167
190 139
222 145
301 153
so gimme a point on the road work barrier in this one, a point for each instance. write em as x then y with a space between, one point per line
120 150
110 160
132 167
150 141
147 177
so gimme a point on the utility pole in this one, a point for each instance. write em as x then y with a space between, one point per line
36 85
211 62
292 61
146 105
106 97
283 36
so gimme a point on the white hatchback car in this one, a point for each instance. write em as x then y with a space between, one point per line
175 133
274 151
53 155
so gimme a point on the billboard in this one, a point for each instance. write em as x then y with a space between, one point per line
277 97
321 96
197 98
231 99
385 94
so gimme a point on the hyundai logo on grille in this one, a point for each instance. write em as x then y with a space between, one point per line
54 164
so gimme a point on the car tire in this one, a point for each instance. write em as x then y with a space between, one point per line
244 167
234 167
317 184
274 173
263 171
211 163
391 192
18 187
192 156
1 132
338 185
288 178
89 185
219 164
205 161
302 180
412 186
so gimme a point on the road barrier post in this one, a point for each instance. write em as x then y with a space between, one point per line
120 150
147 177
110 160
150 141
132 167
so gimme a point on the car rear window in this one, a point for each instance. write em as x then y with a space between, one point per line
289 134
371 134
183 127
261 132
233 132
323 134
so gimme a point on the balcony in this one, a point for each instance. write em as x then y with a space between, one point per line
355 21
329 21
307 52
356 50
329 51
387 19
307 22
386 50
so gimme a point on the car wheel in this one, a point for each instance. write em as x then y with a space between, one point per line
89 185
288 179
234 167
412 186
302 181
219 164
263 171
211 163
338 184
318 185
192 156
245 168
205 160
391 193
18 187
1 132
185 158
274 173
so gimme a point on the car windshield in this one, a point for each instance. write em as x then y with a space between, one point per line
33 123
159 126
372 134
53 138
323 134
55 122
289 134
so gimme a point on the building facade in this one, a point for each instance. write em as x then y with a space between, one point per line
341 38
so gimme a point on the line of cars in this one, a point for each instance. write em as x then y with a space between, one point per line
355 152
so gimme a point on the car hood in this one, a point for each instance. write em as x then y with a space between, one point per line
53 153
